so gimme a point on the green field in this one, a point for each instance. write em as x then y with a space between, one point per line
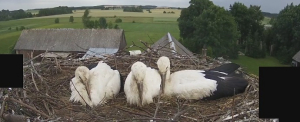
252 65
155 25
266 20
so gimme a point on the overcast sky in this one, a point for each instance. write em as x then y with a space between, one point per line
273 6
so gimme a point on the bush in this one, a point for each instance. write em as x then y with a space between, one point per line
110 25
164 12
22 28
115 16
17 28
56 20
133 21
116 26
9 28
71 19
209 51
119 20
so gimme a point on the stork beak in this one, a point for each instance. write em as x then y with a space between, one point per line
163 82
87 87
140 90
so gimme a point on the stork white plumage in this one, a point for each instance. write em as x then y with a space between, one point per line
142 84
201 84
95 86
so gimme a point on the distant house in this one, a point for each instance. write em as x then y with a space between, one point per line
37 41
169 46
296 60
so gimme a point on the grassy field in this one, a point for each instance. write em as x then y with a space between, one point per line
266 20
119 13
252 65
155 25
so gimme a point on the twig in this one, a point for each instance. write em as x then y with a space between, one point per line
138 46
228 118
161 119
14 118
232 107
34 81
42 80
2 109
80 94
28 106
125 109
189 118
157 106
30 60
57 64
180 113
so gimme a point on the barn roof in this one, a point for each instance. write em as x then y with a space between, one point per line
296 57
70 39
169 46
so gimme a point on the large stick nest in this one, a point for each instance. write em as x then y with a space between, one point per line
47 91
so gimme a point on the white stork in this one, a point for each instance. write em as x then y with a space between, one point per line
142 84
95 85
201 84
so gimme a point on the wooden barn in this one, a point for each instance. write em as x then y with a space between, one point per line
169 46
36 41
296 60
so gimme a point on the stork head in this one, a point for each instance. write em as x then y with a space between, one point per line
163 64
83 74
139 71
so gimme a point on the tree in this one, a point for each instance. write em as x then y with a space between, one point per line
110 25
187 16
256 30
116 26
22 28
96 25
56 20
286 29
240 13
86 18
215 28
102 23
71 19
119 20
164 12
250 28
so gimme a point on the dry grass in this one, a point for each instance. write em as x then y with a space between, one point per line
119 13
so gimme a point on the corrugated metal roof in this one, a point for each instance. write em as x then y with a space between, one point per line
296 57
70 39
99 52
169 46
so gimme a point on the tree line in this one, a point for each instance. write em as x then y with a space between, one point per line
226 32
55 11
133 9
6 15
101 23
